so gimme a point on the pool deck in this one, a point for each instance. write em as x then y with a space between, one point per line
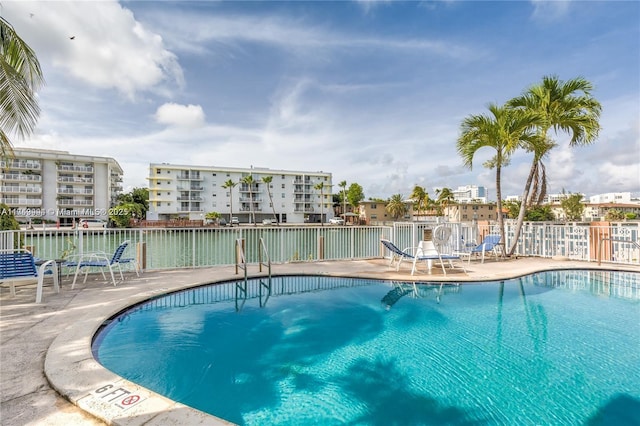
48 375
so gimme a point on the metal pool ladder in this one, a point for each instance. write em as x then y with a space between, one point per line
242 287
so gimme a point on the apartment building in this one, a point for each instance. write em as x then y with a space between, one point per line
59 186
178 191
470 194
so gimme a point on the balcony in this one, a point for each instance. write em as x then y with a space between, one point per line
75 191
66 202
70 168
21 189
21 177
11 201
21 164
72 179
189 198
190 176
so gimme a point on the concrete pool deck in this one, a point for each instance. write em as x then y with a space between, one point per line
47 372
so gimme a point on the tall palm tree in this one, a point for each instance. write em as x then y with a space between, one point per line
320 187
504 130
229 184
420 198
20 77
249 181
267 181
343 185
566 107
396 206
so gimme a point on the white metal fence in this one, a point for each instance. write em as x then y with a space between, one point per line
167 248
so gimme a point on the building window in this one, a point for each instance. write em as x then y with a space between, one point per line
213 174
374 206
159 204
282 196
283 187
374 216
158 171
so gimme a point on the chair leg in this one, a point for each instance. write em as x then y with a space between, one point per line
39 288
113 278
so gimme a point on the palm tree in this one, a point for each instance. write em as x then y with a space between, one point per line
248 180
229 184
445 198
343 185
566 107
504 130
420 197
20 78
320 187
267 181
396 206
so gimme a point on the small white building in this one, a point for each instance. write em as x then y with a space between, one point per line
59 186
190 192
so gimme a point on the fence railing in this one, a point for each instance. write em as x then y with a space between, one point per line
168 248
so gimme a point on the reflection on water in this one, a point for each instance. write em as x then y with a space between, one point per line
326 350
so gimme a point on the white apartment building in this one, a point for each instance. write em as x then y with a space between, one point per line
178 191
59 186
612 197
470 194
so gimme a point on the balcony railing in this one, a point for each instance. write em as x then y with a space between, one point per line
75 202
74 179
22 165
21 177
10 201
21 189
68 168
75 191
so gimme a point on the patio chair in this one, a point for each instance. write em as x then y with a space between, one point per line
398 254
490 244
99 260
19 267
427 251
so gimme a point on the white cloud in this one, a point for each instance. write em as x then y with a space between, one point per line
98 43
191 116
550 10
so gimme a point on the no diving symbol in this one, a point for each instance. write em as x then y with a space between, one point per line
130 400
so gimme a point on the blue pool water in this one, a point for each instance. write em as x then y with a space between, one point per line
553 348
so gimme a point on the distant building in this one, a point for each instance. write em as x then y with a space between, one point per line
470 194
613 197
468 212
179 191
59 186
375 212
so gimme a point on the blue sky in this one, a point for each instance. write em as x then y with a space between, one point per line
373 92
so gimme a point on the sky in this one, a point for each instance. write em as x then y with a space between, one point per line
373 92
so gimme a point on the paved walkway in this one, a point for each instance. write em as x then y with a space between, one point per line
45 354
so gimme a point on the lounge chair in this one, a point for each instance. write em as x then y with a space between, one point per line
397 254
427 251
101 261
490 244
19 267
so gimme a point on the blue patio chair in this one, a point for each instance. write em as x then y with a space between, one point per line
490 244
19 267
100 261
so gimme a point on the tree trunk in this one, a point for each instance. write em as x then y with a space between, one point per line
523 208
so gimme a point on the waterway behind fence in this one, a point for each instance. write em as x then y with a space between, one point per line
169 248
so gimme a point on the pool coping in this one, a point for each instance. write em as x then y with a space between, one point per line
72 371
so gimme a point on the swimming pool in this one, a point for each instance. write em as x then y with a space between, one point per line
559 347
